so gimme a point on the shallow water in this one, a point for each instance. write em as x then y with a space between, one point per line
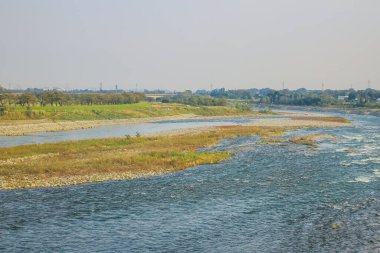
268 198
117 131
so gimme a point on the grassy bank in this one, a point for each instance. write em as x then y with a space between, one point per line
106 112
55 164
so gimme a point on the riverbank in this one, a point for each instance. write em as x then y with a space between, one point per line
21 120
111 112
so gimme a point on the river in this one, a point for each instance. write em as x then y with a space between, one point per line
267 198
119 130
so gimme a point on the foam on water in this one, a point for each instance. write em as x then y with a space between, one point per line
356 138
366 179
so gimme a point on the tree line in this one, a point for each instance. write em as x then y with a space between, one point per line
367 97
216 97
59 98
195 100
352 97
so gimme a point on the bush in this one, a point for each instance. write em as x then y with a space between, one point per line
243 107
2 110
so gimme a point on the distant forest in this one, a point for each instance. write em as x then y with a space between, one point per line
366 98
369 98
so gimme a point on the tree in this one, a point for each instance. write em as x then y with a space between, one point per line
11 98
53 97
265 100
2 99
352 95
26 99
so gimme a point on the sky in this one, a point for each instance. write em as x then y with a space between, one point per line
197 44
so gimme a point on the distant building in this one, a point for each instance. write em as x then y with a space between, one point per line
343 98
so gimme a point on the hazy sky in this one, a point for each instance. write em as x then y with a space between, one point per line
190 44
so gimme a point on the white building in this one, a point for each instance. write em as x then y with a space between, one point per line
343 98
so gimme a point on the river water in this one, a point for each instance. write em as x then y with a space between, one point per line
267 198
118 130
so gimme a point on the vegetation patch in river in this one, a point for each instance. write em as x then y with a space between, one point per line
115 158
310 139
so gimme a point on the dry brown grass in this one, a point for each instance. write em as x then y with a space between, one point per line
271 140
310 139
324 119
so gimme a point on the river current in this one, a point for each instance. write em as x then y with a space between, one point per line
267 198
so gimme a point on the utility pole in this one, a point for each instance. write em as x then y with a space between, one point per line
211 86
116 88
283 85
323 86
369 84
136 88
101 86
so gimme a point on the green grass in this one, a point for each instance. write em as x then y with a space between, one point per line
122 111
85 107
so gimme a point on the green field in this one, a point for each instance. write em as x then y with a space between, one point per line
120 111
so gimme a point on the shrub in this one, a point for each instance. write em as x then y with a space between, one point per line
2 110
